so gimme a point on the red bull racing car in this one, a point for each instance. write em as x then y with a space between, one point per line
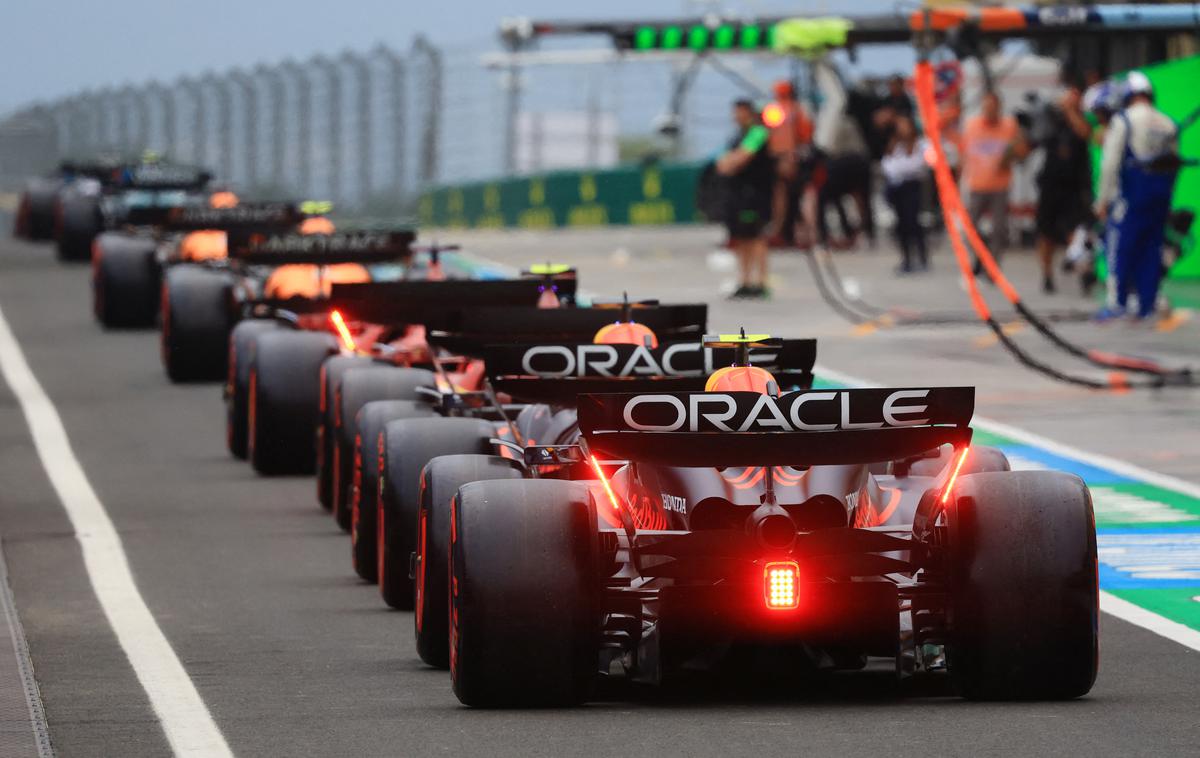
843 524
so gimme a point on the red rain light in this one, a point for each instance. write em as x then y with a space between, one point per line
781 585
962 458
608 490
343 331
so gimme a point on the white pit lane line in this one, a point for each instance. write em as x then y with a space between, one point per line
1109 603
186 721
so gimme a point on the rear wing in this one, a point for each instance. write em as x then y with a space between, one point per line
242 217
278 248
468 331
159 176
815 427
559 373
423 302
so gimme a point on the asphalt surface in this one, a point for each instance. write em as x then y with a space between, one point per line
251 582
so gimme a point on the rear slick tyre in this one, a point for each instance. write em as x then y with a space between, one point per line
1024 607
360 386
431 600
197 317
237 383
283 400
525 618
332 371
364 496
125 281
407 446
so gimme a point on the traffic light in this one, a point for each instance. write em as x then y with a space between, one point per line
728 37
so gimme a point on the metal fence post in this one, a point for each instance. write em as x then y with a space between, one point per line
333 145
276 99
199 119
362 72
431 131
249 91
170 126
397 114
304 151
221 88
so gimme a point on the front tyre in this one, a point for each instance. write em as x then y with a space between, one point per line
1024 606
525 610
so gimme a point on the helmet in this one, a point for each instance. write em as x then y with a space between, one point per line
222 199
316 225
1102 96
308 280
741 379
1138 83
204 245
625 333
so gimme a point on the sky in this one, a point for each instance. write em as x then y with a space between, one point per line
54 48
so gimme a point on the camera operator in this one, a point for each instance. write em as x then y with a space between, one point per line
1065 181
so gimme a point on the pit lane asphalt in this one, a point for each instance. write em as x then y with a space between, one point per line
251 583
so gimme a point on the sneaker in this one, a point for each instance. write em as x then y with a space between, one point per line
742 291
758 293
1107 314
903 269
1048 286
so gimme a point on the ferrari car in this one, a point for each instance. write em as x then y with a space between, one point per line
838 524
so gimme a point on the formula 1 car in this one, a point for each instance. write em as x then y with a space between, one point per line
36 218
264 271
742 516
527 444
128 264
97 201
542 288
392 443
279 391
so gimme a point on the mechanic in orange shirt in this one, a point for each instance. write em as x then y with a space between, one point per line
791 133
992 142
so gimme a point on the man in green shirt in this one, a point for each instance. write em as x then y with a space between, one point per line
749 173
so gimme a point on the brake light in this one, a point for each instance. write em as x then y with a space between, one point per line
781 585
962 458
608 490
343 331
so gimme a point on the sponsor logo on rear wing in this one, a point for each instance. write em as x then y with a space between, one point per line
468 331
557 373
426 302
244 216
161 176
802 428
339 247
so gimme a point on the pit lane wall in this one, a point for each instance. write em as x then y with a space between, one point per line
630 195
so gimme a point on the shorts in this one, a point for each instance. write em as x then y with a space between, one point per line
747 222
748 212
1059 212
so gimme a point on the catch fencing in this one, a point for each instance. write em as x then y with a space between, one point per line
360 128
